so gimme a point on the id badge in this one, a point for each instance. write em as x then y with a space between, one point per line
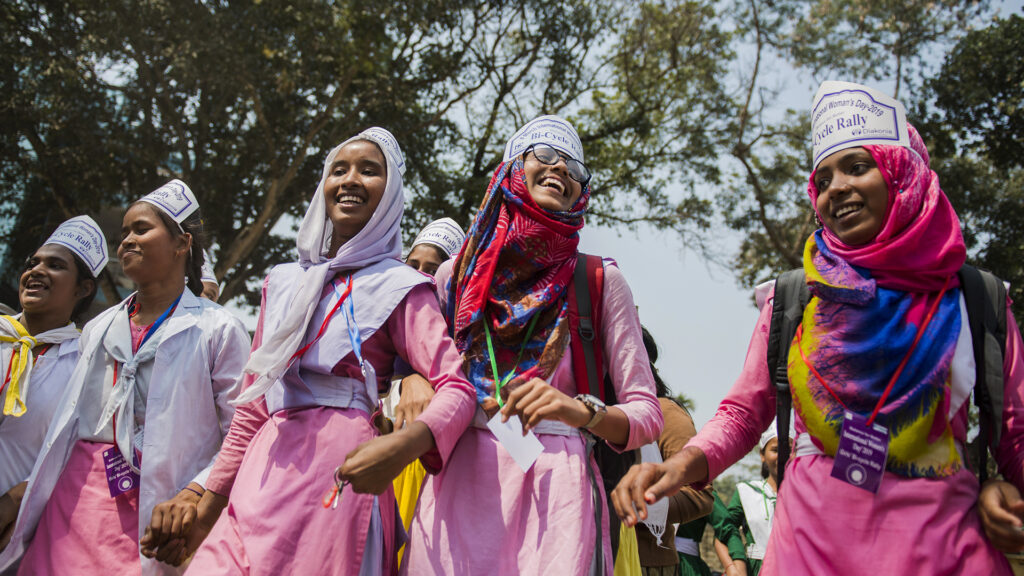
120 478
860 459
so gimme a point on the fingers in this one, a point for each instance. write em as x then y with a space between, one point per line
399 417
628 496
171 552
666 484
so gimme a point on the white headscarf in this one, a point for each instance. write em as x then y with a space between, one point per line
380 238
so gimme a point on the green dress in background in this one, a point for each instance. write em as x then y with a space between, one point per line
690 565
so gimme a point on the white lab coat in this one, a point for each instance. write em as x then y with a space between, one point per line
21 439
196 373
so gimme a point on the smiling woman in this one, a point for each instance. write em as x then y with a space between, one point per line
39 349
142 415
881 368
353 189
304 463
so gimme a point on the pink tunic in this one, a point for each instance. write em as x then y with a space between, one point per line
275 523
83 529
825 526
482 515
82 526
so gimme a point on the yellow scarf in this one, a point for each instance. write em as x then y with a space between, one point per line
21 360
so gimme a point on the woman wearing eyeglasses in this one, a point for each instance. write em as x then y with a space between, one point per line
506 301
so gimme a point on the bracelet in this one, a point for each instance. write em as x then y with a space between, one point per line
194 491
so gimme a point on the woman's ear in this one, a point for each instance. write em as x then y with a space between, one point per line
184 244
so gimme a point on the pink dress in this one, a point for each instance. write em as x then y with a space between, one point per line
825 526
82 525
483 515
278 467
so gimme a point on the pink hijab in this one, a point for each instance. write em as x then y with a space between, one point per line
920 244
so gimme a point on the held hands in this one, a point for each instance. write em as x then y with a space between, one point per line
537 400
171 522
1001 510
415 396
647 483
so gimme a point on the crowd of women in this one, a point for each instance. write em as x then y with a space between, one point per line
161 439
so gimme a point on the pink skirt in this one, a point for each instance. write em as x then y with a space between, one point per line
83 530
275 522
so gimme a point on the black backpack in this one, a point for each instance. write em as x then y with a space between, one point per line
985 296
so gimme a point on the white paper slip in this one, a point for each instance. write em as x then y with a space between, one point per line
524 449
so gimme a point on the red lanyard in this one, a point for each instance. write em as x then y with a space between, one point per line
899 369
7 378
323 327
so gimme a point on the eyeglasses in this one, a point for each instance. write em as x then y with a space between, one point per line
578 171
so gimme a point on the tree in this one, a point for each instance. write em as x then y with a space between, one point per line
105 102
981 91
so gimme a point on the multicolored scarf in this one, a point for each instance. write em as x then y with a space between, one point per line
867 304
513 271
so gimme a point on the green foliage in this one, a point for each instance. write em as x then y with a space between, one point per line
981 91
103 102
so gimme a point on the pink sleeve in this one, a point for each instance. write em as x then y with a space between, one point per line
1010 453
747 409
627 361
248 419
420 336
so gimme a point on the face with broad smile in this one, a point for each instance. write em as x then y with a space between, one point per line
51 280
550 186
853 198
148 250
353 189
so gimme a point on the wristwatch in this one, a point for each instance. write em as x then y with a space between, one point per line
595 406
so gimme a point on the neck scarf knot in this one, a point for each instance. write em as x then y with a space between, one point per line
22 361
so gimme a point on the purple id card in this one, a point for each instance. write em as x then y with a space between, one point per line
120 478
860 459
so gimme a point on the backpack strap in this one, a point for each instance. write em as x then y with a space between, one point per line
585 298
791 297
985 298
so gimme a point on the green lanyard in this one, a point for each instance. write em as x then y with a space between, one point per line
499 382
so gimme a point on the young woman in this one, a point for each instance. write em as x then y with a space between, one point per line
39 348
348 308
507 292
883 361
145 409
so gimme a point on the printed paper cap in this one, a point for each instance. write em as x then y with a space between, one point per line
388 144
847 115
445 233
207 269
83 237
175 199
550 130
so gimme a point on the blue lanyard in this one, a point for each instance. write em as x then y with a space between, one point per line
158 322
348 310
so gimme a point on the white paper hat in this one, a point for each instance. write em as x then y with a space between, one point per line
387 142
207 269
83 236
847 115
551 130
175 199
445 233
